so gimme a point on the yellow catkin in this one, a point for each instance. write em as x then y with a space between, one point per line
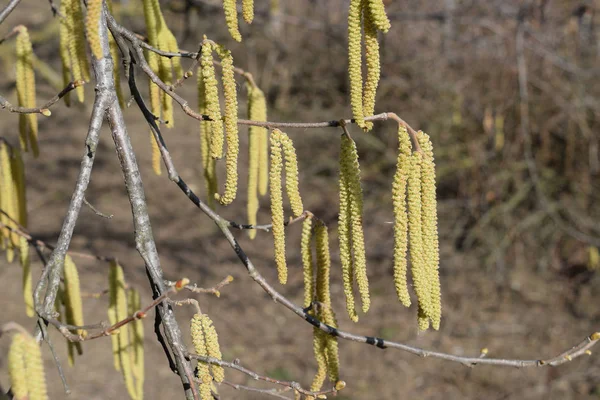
36 380
114 54
373 67
291 175
165 73
248 10
7 201
231 128
319 349
79 32
252 193
212 347
257 111
208 163
27 285
418 266
213 108
79 65
17 369
401 216
231 18
344 234
28 123
307 261
118 302
378 15
155 107
356 229
202 369
92 26
277 218
18 177
113 286
355 61
429 225
137 338
73 305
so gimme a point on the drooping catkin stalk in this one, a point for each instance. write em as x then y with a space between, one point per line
307 261
418 265
319 338
73 305
429 225
17 369
137 345
378 15
248 10
356 229
373 66
291 175
231 128
202 369
27 285
28 123
344 234
212 347
401 216
257 111
231 18
92 26
355 61
208 163
213 108
118 305
7 201
277 218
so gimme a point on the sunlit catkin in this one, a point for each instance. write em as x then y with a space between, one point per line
202 369
63 50
18 177
28 123
212 347
231 18
356 229
257 111
113 286
401 216
36 379
373 68
92 26
208 163
213 108
291 175
319 338
73 293
17 369
248 10
344 234
307 261
252 193
27 285
73 17
137 339
7 201
277 218
355 61
231 128
429 225
378 15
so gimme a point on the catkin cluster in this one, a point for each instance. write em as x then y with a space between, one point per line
351 235
128 340
206 343
258 153
26 369
282 146
72 46
317 297
28 123
415 228
160 37
371 17
13 203
213 136
231 17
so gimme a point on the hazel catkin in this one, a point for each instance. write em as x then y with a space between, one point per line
277 217
291 175
355 61
213 108
28 123
231 18
307 261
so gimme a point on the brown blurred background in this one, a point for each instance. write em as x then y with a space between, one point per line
508 91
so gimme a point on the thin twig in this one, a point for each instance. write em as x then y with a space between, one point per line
45 109
96 211
12 4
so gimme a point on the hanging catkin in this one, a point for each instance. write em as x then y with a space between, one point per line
213 108
378 15
17 369
231 18
401 216
291 175
18 178
28 123
277 217
307 261
137 342
92 26
208 163
202 369
73 305
7 201
355 61
429 225
248 10
231 128
26 369
373 66
27 285
212 347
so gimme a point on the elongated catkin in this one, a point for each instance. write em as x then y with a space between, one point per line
27 284
248 10
211 96
208 163
373 66
401 216
92 26
355 61
212 347
291 175
137 342
231 18
202 369
28 123
378 15
17 369
307 262
277 217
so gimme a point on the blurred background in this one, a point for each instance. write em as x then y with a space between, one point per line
508 91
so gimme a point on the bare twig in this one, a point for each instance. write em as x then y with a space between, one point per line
45 109
12 4
216 290
96 211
